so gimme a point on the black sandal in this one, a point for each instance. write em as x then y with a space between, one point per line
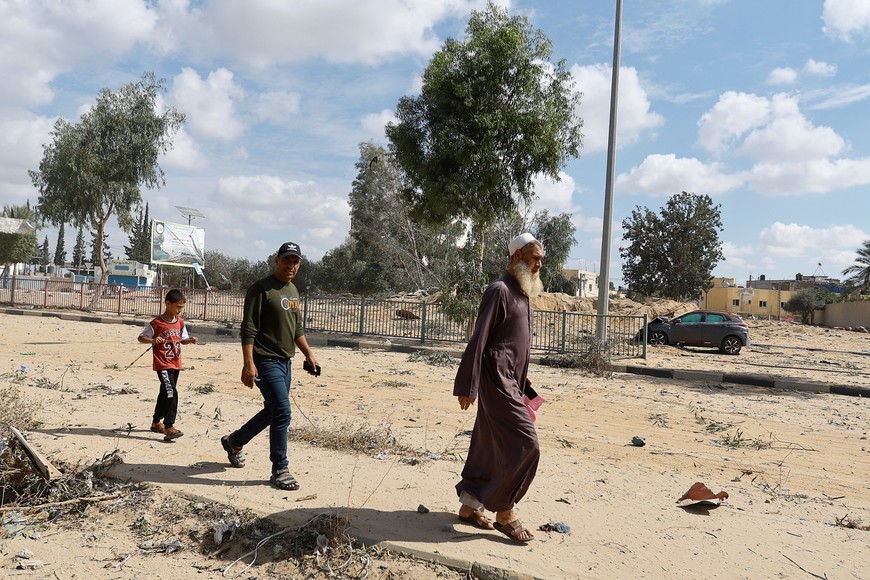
284 481
234 454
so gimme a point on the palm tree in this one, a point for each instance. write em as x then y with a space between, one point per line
859 272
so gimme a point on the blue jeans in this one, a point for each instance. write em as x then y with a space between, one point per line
273 380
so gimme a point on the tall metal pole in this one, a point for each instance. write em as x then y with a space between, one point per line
604 276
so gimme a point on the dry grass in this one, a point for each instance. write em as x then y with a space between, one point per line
352 437
595 362
436 358
851 523
16 410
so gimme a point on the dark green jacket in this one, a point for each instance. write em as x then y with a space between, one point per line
272 319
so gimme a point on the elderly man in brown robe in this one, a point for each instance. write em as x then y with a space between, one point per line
504 452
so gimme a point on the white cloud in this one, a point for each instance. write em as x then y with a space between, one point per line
782 76
841 96
733 115
276 107
634 118
668 174
845 18
41 40
815 176
820 68
737 257
185 153
374 123
209 103
263 32
833 247
790 136
260 206
21 139
555 196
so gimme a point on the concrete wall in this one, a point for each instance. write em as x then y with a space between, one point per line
844 314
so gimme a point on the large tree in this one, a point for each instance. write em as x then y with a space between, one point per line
493 113
806 301
388 249
94 169
859 272
556 234
672 254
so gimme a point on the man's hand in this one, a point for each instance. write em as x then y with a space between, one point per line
465 402
249 373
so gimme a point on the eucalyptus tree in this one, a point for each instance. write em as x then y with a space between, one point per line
94 169
493 112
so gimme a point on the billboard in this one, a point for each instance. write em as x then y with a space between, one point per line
177 244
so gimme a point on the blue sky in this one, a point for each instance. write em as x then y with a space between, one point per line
761 105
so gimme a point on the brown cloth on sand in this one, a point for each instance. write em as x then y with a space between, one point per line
503 457
700 493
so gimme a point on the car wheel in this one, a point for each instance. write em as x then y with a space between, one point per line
731 345
658 338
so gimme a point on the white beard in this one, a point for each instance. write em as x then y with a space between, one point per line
530 284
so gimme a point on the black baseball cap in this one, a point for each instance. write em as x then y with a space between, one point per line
289 249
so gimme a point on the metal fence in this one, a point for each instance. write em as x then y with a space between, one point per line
556 332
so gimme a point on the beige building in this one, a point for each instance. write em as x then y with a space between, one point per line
760 298
585 282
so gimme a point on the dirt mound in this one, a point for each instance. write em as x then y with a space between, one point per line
556 301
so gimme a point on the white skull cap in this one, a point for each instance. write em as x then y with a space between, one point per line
520 242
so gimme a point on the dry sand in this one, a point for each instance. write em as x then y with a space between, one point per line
795 464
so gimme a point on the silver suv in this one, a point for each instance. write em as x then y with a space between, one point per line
723 330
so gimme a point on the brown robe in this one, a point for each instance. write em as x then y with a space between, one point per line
504 452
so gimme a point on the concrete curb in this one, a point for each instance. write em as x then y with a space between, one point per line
316 339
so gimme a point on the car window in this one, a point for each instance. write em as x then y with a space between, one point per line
691 317
715 318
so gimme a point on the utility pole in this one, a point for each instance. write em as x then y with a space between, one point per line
604 277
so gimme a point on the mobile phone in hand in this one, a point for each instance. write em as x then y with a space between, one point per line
311 370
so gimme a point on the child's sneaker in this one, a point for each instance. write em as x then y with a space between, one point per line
171 433
157 427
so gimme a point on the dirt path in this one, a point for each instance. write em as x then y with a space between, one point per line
795 464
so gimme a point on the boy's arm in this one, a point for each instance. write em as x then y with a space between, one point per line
147 336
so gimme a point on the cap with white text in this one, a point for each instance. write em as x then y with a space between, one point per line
289 249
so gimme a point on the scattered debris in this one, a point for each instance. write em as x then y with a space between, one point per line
560 527
701 494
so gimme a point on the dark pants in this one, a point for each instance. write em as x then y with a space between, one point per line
167 401
273 380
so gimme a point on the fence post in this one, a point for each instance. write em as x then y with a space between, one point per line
362 314
305 311
81 295
644 336
564 331
12 291
120 295
423 325
45 295
205 305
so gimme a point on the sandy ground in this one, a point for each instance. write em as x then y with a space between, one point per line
795 464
